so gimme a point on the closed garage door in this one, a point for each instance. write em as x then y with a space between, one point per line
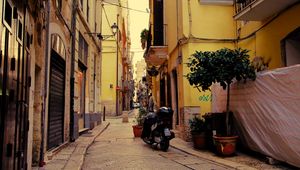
56 101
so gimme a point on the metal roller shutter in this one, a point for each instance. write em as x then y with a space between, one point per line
56 101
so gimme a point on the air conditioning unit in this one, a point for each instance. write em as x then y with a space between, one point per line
216 2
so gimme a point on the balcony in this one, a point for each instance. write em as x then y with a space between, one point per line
258 10
157 50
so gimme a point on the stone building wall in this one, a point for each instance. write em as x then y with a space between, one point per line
185 114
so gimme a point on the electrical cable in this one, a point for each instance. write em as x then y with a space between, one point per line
107 20
137 10
248 36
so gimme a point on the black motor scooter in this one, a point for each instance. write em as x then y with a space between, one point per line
156 128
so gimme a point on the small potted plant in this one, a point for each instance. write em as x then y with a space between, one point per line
137 129
221 66
144 37
198 129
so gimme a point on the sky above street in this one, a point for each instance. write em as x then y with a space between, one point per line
137 22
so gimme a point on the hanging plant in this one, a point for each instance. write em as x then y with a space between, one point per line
152 71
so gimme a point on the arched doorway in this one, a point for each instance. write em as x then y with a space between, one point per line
56 93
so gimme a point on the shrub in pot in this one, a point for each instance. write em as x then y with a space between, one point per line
198 129
137 129
221 66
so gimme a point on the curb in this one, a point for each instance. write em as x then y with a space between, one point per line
90 143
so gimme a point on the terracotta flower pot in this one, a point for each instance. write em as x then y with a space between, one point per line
137 130
225 145
199 140
143 45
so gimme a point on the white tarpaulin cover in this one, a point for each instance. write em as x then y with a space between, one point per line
268 112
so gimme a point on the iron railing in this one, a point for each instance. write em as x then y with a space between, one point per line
158 38
240 5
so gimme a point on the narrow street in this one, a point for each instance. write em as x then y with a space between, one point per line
116 148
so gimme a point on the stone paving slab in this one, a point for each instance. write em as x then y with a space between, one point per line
72 156
187 148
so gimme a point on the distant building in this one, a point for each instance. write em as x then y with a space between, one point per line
140 72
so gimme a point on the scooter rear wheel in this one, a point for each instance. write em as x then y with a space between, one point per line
164 145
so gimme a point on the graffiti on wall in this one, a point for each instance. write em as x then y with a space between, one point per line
205 98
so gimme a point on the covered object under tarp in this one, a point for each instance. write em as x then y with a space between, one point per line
267 111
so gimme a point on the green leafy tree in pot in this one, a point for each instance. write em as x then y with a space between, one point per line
221 66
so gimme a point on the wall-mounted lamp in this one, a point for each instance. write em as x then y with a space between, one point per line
114 28
111 86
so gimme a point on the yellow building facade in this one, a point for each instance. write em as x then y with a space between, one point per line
116 61
207 25
273 34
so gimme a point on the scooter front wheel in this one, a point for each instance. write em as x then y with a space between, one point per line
164 145
146 140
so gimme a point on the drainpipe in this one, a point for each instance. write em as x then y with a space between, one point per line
72 78
190 18
117 82
42 163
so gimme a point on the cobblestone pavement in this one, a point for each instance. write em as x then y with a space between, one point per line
116 148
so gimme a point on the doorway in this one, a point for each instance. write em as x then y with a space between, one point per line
162 91
81 87
175 83
56 101
290 47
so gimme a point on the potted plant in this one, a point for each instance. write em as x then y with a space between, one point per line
221 66
137 129
197 127
144 37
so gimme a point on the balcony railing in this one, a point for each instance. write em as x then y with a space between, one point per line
242 4
258 10
159 35
158 38
157 49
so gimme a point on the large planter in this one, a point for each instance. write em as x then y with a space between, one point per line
225 145
199 140
137 130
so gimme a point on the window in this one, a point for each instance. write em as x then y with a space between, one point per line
8 14
20 31
28 40
81 3
58 4
82 49
87 12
